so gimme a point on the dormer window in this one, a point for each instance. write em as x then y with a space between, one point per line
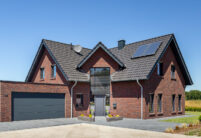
160 69
173 72
42 73
53 71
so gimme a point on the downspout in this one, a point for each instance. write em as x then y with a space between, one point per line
141 89
72 98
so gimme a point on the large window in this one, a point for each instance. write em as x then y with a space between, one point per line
79 100
100 81
179 103
151 103
160 69
53 71
173 102
42 73
172 72
159 107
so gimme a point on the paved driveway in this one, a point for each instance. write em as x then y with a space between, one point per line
150 124
85 131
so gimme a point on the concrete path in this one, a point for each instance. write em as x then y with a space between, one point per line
86 131
150 124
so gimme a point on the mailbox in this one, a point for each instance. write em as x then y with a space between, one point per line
114 105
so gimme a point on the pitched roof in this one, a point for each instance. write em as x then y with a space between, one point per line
101 45
138 68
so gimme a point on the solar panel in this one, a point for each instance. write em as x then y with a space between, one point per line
145 50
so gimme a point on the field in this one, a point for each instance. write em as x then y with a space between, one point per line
193 103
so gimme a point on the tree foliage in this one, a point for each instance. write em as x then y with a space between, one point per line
193 95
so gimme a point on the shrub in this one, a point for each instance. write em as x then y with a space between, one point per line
184 125
194 109
199 118
90 115
169 130
117 115
109 115
190 125
197 123
177 128
82 115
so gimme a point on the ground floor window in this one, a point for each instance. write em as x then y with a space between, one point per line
79 100
159 109
173 102
179 103
151 103
107 101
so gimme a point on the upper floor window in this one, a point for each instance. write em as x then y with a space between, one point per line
53 71
151 103
160 69
172 72
42 73
173 102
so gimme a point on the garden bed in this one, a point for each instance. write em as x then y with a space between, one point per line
113 118
86 118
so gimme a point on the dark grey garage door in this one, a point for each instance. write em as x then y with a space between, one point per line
28 106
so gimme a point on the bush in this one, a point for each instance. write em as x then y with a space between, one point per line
184 125
194 109
177 127
169 130
199 118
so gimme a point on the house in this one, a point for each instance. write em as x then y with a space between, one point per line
145 79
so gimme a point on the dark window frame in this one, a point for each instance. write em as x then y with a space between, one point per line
53 71
173 103
42 73
151 103
179 102
160 68
173 69
81 96
160 103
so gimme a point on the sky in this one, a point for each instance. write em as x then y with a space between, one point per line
23 24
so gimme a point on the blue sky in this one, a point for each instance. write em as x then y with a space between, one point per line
86 22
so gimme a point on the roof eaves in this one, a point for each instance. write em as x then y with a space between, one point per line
100 44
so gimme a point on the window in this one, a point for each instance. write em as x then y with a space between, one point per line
160 69
79 100
151 103
42 73
173 103
53 72
172 72
107 103
159 109
179 103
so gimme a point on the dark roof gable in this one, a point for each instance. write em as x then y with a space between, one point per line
100 45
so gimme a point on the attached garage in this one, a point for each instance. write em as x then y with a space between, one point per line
29 106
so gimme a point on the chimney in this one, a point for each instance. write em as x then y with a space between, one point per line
121 44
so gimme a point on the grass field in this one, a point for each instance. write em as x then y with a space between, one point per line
193 103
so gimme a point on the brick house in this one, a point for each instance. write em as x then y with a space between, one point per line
145 79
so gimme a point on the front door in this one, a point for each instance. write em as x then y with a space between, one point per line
99 105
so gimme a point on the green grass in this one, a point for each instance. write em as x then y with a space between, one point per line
187 120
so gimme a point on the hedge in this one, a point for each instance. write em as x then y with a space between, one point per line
193 95
194 109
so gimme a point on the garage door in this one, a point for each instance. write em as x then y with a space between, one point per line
28 106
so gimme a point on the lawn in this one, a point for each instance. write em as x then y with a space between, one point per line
187 120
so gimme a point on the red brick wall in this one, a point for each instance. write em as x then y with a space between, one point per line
166 86
46 62
8 87
100 59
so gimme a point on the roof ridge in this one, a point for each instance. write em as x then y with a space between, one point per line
62 43
145 40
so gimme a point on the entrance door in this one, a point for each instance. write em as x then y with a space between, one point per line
99 105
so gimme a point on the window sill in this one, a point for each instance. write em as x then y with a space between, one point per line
41 79
160 113
179 112
151 114
173 79
52 78
173 113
